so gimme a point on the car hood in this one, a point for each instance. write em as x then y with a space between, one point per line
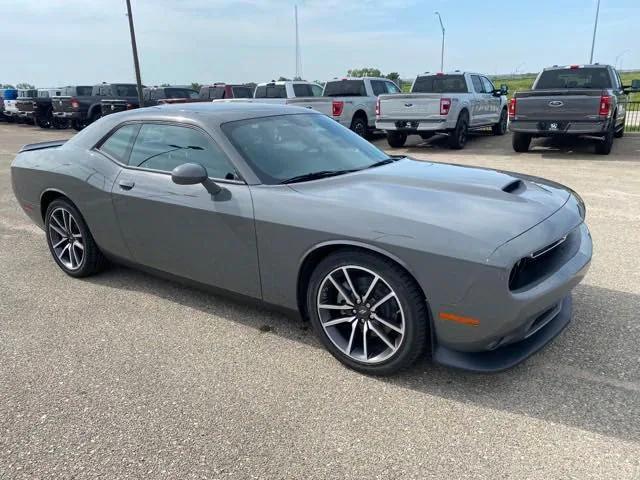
485 207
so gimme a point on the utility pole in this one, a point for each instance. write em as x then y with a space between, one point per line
298 59
136 65
595 28
442 51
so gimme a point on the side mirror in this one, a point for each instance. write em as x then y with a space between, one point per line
504 89
193 174
635 86
189 174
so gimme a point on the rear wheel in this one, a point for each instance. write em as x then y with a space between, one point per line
368 312
77 125
359 125
604 146
620 133
500 128
521 142
43 122
458 137
396 139
70 241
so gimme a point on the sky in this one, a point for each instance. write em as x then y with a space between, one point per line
52 43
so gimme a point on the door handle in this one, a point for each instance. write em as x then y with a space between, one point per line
126 184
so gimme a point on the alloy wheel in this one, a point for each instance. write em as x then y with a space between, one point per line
361 314
66 238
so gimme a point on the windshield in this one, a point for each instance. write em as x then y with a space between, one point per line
440 84
124 90
180 93
345 88
574 78
282 147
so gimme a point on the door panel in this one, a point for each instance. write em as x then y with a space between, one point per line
184 230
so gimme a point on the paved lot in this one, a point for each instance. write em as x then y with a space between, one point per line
127 376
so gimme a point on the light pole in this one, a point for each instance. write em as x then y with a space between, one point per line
442 51
595 28
136 65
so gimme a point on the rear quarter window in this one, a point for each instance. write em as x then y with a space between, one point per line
118 145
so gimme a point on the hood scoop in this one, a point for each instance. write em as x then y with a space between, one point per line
514 187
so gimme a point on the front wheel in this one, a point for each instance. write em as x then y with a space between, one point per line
70 241
500 128
368 312
396 139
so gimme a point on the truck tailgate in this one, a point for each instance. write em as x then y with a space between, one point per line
319 104
61 104
565 104
414 106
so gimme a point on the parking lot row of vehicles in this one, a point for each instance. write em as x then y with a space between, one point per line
575 100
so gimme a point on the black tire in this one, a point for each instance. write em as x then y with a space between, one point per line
396 139
60 123
410 298
42 122
426 136
95 116
521 142
604 146
77 125
500 128
620 133
93 260
359 125
458 137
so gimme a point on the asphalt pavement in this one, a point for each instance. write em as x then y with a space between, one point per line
124 375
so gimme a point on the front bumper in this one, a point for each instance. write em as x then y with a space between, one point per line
521 319
550 128
415 125
509 355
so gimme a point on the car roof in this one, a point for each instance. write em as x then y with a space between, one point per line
569 67
213 113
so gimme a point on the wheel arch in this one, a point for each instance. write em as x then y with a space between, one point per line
360 113
48 196
317 253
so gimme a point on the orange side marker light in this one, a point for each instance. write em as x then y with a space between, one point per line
473 322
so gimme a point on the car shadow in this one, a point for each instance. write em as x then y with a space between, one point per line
587 378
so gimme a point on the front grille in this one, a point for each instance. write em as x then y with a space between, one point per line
540 264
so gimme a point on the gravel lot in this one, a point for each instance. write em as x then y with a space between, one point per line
127 376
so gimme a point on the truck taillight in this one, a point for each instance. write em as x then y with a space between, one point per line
75 103
512 108
129 106
605 105
378 107
337 106
445 106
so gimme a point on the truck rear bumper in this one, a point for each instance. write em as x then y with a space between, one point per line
549 128
76 115
414 125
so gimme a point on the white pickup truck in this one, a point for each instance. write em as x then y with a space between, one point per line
296 93
355 100
451 103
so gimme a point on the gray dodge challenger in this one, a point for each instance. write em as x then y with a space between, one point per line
388 257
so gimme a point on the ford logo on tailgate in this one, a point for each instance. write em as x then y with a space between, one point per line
408 104
556 103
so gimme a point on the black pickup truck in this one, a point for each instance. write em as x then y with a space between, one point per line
83 105
576 100
24 105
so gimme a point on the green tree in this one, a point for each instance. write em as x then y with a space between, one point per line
196 86
25 86
393 76
364 72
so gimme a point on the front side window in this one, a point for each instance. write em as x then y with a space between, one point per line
316 90
488 86
118 145
440 84
392 87
477 84
282 147
164 147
